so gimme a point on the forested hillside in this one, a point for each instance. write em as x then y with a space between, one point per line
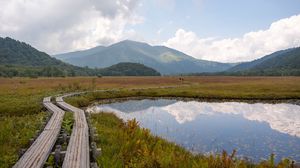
281 63
129 69
20 59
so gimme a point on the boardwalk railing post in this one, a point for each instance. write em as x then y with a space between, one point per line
31 141
64 137
57 156
21 152
94 165
95 152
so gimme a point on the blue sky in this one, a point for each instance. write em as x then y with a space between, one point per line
211 18
217 30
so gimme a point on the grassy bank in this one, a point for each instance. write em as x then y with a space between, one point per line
210 88
15 132
20 98
128 145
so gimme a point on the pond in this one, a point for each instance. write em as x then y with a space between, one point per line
254 130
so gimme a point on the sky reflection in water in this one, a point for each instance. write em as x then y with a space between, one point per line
255 130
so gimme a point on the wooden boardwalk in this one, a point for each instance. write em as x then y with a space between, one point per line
39 151
78 152
77 155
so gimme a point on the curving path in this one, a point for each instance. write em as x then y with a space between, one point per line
39 151
77 155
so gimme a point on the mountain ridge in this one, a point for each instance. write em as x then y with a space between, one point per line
283 62
164 59
20 59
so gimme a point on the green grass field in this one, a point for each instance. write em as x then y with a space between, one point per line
21 111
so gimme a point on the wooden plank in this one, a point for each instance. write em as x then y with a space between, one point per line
77 155
39 151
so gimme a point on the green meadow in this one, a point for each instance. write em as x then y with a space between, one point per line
22 114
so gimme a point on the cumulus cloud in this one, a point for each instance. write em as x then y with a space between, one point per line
57 26
282 34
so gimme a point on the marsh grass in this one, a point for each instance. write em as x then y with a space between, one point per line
15 132
67 127
20 98
68 121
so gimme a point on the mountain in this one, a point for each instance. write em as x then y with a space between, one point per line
13 52
77 54
285 62
128 69
163 59
20 59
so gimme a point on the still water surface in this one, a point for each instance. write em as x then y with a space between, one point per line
254 130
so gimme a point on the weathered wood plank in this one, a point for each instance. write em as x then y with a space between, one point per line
39 151
77 155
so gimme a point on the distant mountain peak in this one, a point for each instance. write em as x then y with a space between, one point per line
163 59
130 43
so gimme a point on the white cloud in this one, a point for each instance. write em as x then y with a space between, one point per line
58 26
282 34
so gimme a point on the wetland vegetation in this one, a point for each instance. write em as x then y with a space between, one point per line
21 111
128 145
